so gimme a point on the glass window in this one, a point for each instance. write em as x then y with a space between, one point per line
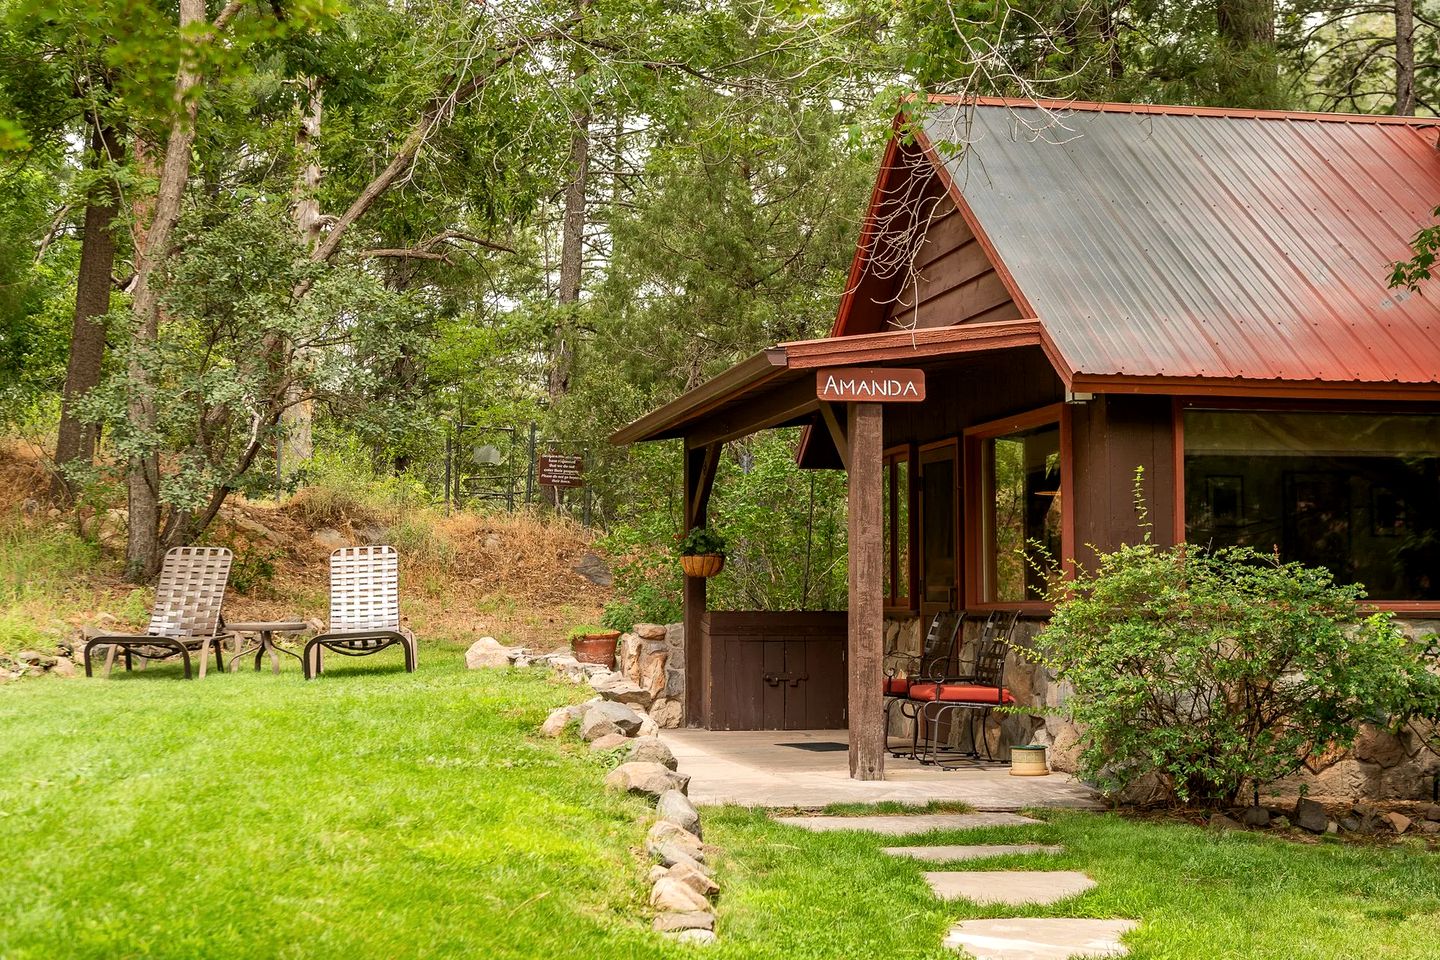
937 526
1357 493
1021 515
897 529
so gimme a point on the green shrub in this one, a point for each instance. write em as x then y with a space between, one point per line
1214 670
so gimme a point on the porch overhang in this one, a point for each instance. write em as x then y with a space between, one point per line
775 387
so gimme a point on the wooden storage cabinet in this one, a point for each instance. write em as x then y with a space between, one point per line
773 671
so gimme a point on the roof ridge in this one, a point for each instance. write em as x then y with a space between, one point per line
1177 110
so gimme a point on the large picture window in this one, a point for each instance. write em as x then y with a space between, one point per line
1019 509
1357 493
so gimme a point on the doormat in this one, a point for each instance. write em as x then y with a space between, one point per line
817 746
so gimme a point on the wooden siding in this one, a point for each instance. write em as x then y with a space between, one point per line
773 671
952 281
1112 436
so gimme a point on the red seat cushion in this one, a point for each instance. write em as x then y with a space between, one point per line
960 693
897 686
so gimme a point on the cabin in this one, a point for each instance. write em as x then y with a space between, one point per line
1092 301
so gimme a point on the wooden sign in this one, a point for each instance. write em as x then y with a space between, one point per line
561 470
870 385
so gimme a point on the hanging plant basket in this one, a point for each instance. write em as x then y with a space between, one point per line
702 564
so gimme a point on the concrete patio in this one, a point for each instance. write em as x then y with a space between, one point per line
808 769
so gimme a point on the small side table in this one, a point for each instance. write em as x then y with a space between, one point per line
266 631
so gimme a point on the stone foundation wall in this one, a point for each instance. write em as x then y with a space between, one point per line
653 657
1381 766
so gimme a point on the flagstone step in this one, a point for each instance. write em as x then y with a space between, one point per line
1040 938
942 854
1013 888
901 824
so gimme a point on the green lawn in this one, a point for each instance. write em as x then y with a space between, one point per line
375 814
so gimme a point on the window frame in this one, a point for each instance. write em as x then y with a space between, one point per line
1179 405
894 601
974 521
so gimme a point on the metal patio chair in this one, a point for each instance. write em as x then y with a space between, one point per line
938 705
364 608
185 616
902 670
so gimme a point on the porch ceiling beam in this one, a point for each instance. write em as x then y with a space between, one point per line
786 404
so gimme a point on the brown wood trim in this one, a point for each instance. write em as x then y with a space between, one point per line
1050 413
1067 491
867 229
910 344
745 376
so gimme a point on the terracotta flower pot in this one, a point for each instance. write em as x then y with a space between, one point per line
596 648
702 564
1028 762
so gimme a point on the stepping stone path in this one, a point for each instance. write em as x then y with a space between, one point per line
1040 939
1057 938
975 852
1013 888
899 825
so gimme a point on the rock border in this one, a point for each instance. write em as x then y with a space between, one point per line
617 720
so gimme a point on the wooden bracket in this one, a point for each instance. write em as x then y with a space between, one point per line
837 433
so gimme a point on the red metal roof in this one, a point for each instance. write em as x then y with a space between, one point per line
1180 243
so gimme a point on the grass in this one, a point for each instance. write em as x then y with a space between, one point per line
377 814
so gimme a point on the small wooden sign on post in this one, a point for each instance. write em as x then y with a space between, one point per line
870 385
561 470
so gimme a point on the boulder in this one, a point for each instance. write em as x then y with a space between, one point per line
1379 746
693 877
329 538
619 690
657 871
1428 827
34 657
650 631
650 779
558 720
1398 821
668 713
1219 821
1431 812
664 833
1255 817
1310 816
648 727
698 938
674 807
485 653
594 568
609 742
628 656
596 726
690 920
63 668
651 750
675 896
651 672
627 721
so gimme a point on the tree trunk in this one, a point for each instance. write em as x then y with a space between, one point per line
142 552
1404 57
1250 75
572 251
76 440
296 439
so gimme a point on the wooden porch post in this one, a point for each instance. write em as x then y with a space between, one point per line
866 643
700 467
